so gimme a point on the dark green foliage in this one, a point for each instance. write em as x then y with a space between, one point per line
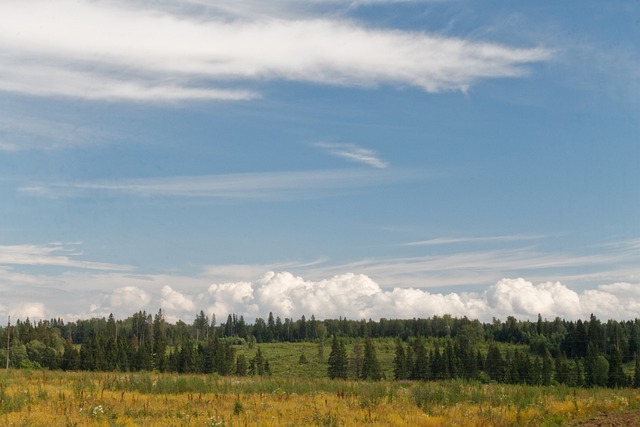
547 368
576 353
401 369
370 365
241 365
355 361
338 362
636 374
159 353
420 368
563 370
70 358
617 377
259 365
438 364
495 365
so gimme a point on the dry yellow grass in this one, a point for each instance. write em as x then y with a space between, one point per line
81 399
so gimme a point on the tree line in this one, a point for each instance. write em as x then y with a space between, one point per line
580 353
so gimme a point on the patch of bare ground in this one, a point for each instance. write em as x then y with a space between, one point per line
612 419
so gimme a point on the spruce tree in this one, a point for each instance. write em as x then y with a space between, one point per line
547 368
421 364
636 374
355 362
241 365
400 362
159 342
370 365
617 377
338 363
438 365
495 365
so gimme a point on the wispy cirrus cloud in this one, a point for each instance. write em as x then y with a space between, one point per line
52 254
457 240
477 266
116 51
239 186
354 153
37 133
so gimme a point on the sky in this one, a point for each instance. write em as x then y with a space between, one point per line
363 159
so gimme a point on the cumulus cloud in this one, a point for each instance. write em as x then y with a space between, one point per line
350 295
31 310
175 301
357 296
106 50
129 297
228 298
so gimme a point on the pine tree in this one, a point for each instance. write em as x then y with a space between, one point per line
563 371
356 361
438 365
590 365
547 368
159 342
187 358
495 365
400 362
420 369
370 365
70 358
259 364
338 363
241 365
636 374
617 377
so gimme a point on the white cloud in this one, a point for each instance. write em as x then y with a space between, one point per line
358 296
522 298
175 301
455 240
228 298
20 133
248 186
354 153
53 254
129 297
32 310
354 296
105 50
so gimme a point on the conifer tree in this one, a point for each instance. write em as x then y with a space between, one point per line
370 365
338 363
70 358
159 342
438 365
617 377
636 374
495 365
241 365
356 361
400 371
547 369
421 364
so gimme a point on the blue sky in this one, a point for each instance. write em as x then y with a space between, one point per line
371 158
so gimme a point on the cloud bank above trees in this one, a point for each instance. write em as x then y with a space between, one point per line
353 296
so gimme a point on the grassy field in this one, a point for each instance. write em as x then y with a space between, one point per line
43 398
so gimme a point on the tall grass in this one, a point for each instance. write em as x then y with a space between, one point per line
153 399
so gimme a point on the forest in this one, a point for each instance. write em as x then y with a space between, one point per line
582 353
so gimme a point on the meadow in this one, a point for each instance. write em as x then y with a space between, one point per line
56 398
